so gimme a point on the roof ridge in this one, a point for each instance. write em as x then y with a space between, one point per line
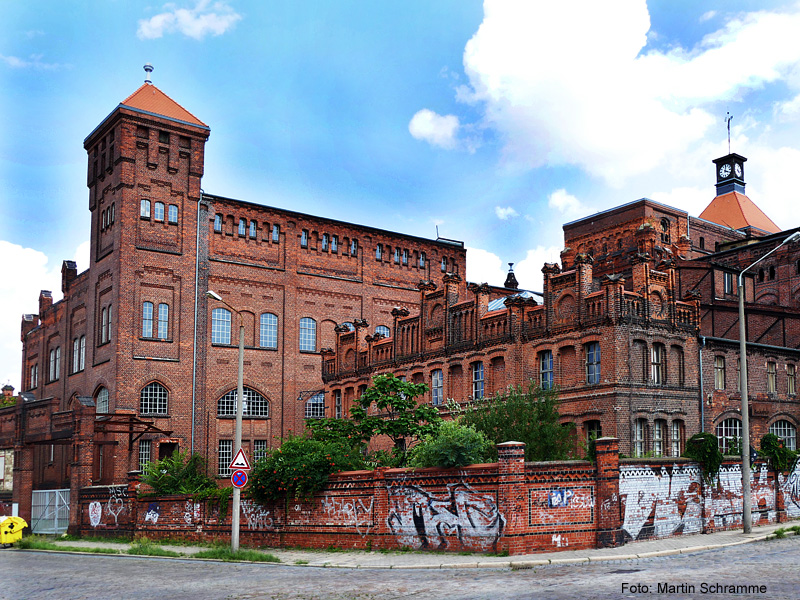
143 105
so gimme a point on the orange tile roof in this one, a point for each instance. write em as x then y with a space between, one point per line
736 211
151 99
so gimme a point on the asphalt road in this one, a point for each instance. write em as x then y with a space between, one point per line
49 576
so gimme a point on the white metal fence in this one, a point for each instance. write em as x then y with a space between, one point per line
49 511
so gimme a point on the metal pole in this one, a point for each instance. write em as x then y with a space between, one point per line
747 516
238 443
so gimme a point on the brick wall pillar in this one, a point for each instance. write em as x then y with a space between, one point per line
380 510
23 479
780 500
511 502
607 506
83 460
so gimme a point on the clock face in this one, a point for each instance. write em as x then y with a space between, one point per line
724 171
737 168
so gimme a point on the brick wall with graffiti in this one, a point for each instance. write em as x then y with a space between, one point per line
510 506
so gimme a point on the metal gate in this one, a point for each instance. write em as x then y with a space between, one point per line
49 511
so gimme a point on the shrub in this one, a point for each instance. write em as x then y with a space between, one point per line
454 445
180 473
523 416
704 449
780 457
300 468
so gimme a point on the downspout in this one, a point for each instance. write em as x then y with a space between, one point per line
702 394
196 300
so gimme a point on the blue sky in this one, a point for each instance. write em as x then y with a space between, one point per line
497 121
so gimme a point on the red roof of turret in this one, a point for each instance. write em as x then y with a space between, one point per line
151 99
735 210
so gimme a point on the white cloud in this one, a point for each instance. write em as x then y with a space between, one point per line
34 61
25 271
505 213
204 19
707 16
574 83
484 267
529 269
433 128
566 203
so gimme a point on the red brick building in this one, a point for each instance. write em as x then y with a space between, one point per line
137 348
636 327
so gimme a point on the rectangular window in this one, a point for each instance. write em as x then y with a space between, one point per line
103 326
337 402
34 376
421 260
144 209
259 449
334 243
268 337
55 363
304 238
76 355
158 211
217 223
353 247
172 214
145 447
315 406
719 372
163 321
657 364
379 252
546 369
791 380
82 361
405 257
639 437
772 377
676 438
324 243
738 374
729 280
437 387
224 456
397 256
163 137
659 434
253 229
242 227
220 326
593 363
308 335
276 233
477 380
147 319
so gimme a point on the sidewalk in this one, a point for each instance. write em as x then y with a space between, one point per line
434 560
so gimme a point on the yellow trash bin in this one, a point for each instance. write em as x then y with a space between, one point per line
11 529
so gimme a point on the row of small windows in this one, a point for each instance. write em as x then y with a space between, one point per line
158 211
54 360
664 441
330 243
107 218
225 455
729 434
248 229
720 380
592 366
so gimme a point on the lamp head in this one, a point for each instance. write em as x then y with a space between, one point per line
214 295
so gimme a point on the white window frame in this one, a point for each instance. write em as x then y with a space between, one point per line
437 387
477 380
221 326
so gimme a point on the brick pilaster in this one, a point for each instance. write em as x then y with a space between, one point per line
511 496
607 506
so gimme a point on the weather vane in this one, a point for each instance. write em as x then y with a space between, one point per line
728 119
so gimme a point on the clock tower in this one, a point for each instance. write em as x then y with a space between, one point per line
730 174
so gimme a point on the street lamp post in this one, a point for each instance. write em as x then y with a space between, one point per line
237 492
747 516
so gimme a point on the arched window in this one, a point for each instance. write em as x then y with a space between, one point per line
220 326
101 400
268 337
253 229
153 399
659 437
761 274
276 233
665 231
786 431
349 325
421 260
771 272
729 434
218 222
324 242
172 214
255 405
144 209
639 437
315 406
163 321
308 335
158 211
384 331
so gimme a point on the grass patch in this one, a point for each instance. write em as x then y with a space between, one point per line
779 533
33 542
227 555
144 547
67 537
301 562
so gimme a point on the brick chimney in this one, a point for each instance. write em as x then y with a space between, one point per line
69 271
45 301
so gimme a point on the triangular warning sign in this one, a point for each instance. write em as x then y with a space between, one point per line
240 461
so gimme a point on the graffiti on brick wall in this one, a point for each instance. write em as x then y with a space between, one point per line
790 486
95 513
659 502
191 512
560 505
117 501
257 516
426 520
153 512
353 512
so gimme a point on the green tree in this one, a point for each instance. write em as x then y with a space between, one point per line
454 445
180 473
523 416
398 417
